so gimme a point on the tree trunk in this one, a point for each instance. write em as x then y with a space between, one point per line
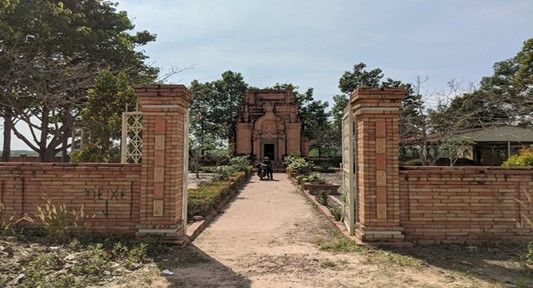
64 138
8 126
43 152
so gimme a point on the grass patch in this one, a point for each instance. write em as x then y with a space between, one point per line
339 244
328 264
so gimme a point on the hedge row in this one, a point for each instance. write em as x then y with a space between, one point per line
205 199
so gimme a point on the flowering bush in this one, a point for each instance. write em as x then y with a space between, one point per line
525 158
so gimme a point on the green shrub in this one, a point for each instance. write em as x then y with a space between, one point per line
314 178
322 197
3 280
454 148
204 199
208 169
93 153
523 159
95 263
336 212
297 165
322 167
300 179
223 173
75 245
136 255
38 268
239 163
119 250
236 164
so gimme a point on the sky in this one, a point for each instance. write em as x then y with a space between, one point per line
311 43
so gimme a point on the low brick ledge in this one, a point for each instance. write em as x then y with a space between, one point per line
339 226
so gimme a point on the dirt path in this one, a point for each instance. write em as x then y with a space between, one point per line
270 236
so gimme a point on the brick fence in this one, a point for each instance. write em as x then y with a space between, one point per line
147 198
465 204
109 192
428 204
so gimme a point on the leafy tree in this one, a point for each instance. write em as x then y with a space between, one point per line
413 122
339 104
454 148
316 125
102 116
349 82
506 97
215 108
62 45
302 99
523 79
360 77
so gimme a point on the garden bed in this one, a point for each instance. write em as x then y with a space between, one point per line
205 199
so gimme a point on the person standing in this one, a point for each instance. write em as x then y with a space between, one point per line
270 171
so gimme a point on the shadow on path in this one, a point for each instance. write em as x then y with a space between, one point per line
193 267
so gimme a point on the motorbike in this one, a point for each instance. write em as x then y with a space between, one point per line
262 171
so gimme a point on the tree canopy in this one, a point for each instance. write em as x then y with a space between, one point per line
215 108
60 46
506 97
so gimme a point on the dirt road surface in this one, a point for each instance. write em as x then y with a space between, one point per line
271 236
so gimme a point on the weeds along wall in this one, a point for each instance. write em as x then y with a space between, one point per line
466 204
109 193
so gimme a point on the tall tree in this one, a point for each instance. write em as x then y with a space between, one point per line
506 97
339 104
215 108
359 77
70 38
349 82
413 117
101 117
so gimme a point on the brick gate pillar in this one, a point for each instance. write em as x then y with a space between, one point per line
164 159
377 135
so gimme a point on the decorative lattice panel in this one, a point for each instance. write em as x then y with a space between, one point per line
349 169
132 141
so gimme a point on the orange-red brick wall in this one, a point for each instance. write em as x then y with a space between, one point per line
110 192
465 204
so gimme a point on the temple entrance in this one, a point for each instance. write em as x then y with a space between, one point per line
269 151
